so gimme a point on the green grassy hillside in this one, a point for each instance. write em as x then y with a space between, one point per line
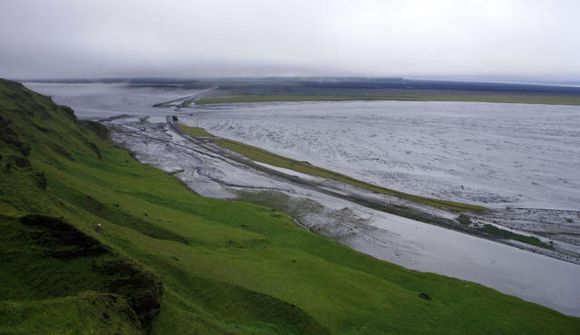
222 267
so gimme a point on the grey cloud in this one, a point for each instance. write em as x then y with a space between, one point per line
73 38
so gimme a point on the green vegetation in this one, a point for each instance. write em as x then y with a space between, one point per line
195 131
225 266
263 156
506 234
404 95
464 219
47 263
87 313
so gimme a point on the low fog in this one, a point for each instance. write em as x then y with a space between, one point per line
492 39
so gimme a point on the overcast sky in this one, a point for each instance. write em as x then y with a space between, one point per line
536 39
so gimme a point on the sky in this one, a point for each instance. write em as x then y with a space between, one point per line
486 39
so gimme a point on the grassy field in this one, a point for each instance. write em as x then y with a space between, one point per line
227 267
267 157
403 95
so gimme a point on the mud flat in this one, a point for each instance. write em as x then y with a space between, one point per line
492 154
519 160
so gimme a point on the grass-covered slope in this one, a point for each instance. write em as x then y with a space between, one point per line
226 267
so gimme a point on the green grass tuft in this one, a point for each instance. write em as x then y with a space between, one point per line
194 131
464 219
506 234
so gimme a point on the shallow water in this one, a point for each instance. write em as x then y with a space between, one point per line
98 100
530 276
